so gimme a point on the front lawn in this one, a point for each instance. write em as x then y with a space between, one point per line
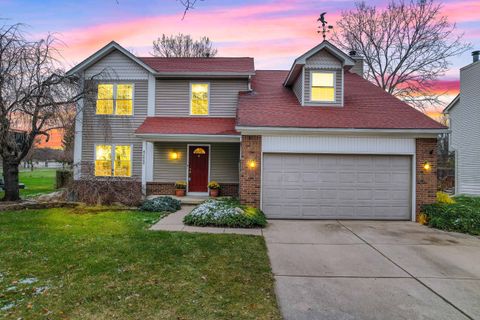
77 264
36 182
461 216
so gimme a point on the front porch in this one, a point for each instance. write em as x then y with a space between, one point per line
196 163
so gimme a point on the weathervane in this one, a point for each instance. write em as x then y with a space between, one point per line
325 27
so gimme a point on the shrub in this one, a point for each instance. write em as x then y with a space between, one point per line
180 185
106 192
443 197
63 178
214 185
462 216
161 204
225 213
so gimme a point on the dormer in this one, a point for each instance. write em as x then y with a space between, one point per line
316 77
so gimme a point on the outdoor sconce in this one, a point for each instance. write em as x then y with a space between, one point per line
174 155
427 166
251 164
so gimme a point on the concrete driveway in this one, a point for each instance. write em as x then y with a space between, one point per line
373 270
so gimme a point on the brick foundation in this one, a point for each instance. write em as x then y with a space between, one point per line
250 178
168 188
163 188
426 187
229 189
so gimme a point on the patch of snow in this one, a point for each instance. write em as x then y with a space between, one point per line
41 290
28 280
8 306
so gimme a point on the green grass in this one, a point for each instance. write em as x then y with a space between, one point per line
36 182
107 265
461 216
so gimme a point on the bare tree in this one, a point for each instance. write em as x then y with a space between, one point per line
188 4
183 45
34 90
406 46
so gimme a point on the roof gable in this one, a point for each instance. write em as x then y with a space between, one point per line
103 52
344 58
452 104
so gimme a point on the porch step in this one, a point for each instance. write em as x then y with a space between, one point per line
187 200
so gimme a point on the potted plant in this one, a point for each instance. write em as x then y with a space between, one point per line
214 187
180 188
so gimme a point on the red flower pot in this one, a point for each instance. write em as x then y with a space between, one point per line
214 193
180 192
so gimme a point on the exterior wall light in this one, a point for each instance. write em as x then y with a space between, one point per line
251 164
427 166
174 155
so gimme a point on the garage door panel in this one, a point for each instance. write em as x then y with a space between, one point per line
312 186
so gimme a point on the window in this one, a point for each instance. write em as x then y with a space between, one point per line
116 157
323 87
103 161
122 165
115 99
199 99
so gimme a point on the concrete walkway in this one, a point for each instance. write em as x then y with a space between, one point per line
373 270
174 222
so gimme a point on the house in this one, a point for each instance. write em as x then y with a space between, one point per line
464 121
317 141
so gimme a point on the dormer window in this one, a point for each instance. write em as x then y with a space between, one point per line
323 86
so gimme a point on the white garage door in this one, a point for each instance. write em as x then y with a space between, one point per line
306 186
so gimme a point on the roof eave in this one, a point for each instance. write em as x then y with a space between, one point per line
203 74
414 132
92 59
157 137
347 61
451 104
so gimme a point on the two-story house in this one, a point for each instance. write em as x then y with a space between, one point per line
464 121
317 141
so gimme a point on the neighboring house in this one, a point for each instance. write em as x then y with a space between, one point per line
314 142
464 121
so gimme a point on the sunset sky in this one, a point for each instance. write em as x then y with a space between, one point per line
273 32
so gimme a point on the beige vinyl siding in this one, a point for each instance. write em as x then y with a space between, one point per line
338 88
323 59
101 129
465 136
117 66
172 96
297 88
224 160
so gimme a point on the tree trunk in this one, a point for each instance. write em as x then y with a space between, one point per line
10 177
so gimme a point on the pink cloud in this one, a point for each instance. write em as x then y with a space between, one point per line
238 31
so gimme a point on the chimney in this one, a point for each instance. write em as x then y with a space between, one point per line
476 55
358 67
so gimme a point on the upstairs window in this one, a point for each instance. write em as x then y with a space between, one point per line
323 87
113 160
199 96
115 99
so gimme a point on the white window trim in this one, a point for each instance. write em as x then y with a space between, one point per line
115 84
334 87
113 158
190 98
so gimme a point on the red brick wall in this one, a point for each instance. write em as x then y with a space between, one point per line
160 188
250 178
426 188
229 189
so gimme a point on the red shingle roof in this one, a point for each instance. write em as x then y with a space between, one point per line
178 125
366 106
219 65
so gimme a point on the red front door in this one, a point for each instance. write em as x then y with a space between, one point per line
198 168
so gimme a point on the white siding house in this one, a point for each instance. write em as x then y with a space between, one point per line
464 117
